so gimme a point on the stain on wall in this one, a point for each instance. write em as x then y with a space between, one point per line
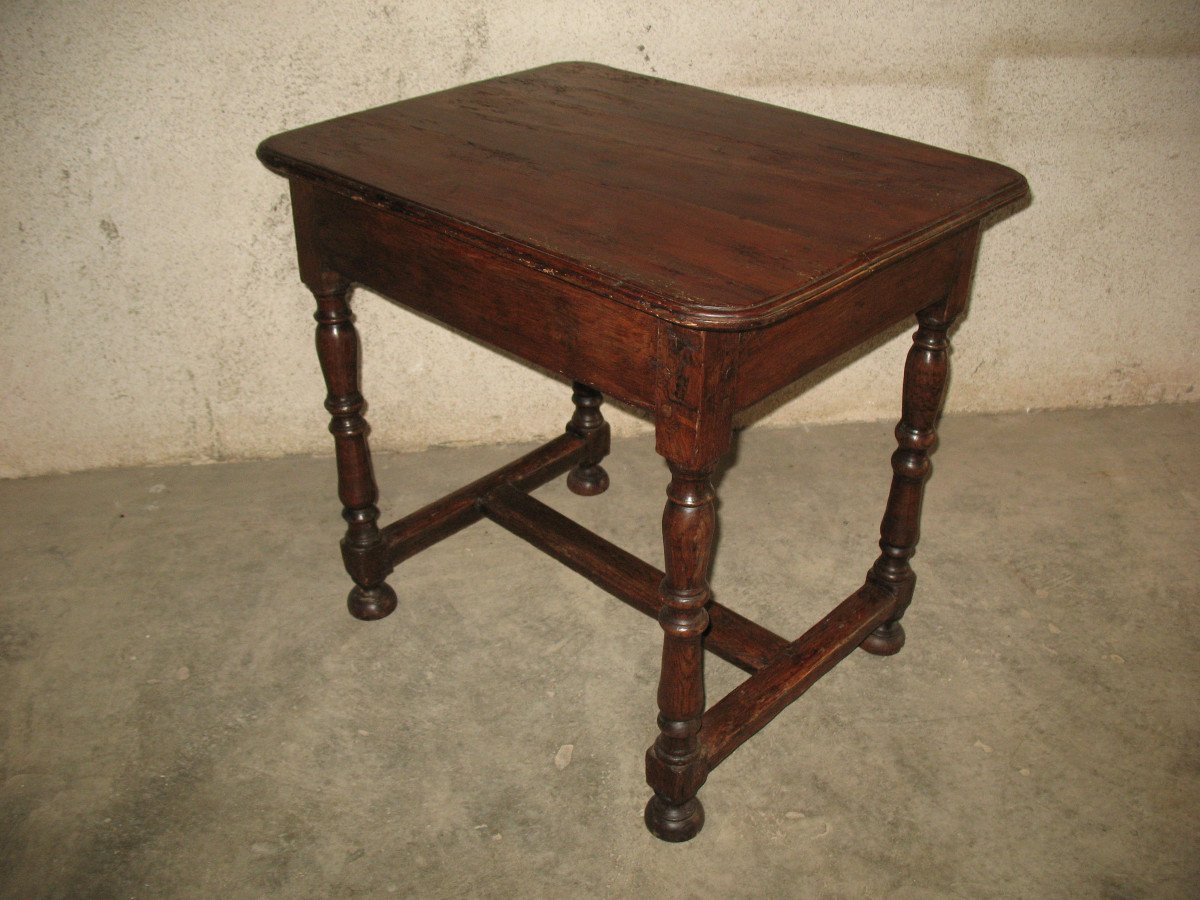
153 308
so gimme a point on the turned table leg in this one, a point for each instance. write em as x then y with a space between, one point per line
588 478
673 764
925 373
362 547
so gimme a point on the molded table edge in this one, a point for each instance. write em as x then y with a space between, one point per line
679 309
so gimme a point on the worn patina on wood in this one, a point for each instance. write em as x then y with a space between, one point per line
685 251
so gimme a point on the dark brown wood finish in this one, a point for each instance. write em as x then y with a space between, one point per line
438 520
706 209
796 668
589 478
337 349
925 371
775 356
681 250
527 312
693 429
732 637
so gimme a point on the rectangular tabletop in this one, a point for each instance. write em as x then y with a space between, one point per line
703 209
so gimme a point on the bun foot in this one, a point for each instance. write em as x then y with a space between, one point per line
588 481
674 823
369 604
885 640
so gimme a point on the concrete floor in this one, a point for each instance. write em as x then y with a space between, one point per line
187 709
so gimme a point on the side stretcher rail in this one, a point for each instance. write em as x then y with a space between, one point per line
780 671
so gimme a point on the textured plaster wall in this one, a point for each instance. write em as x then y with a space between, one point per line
151 306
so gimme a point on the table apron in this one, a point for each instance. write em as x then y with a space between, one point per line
513 307
773 357
544 320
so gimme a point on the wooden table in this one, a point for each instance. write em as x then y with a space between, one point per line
682 250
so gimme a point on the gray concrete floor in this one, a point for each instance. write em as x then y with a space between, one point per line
187 709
